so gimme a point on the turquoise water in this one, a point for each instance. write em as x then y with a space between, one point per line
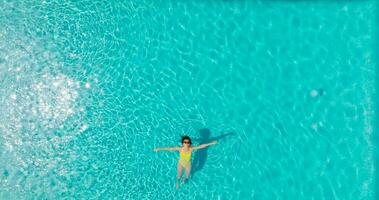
89 88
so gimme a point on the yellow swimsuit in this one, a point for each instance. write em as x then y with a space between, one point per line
185 158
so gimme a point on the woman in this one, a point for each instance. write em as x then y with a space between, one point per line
184 156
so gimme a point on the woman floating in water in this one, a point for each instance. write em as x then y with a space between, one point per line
184 156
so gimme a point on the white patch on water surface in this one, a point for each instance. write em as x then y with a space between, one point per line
314 126
13 96
35 112
40 112
314 93
53 103
83 128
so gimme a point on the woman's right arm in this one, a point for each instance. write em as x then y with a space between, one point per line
167 149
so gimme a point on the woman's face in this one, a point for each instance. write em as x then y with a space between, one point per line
186 142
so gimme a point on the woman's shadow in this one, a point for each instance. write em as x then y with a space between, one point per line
201 155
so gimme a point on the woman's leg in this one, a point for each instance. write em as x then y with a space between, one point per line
180 169
188 171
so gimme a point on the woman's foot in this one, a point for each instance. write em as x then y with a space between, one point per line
185 180
177 184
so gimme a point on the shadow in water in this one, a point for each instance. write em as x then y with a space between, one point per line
200 156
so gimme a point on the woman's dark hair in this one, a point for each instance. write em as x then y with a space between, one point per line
186 137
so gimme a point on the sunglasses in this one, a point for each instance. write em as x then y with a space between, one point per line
186 142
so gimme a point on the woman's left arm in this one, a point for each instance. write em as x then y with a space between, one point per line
204 145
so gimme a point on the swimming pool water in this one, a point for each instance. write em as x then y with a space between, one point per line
89 88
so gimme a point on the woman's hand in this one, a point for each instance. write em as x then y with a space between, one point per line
214 142
156 149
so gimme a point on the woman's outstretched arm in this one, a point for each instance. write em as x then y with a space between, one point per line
167 149
203 145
